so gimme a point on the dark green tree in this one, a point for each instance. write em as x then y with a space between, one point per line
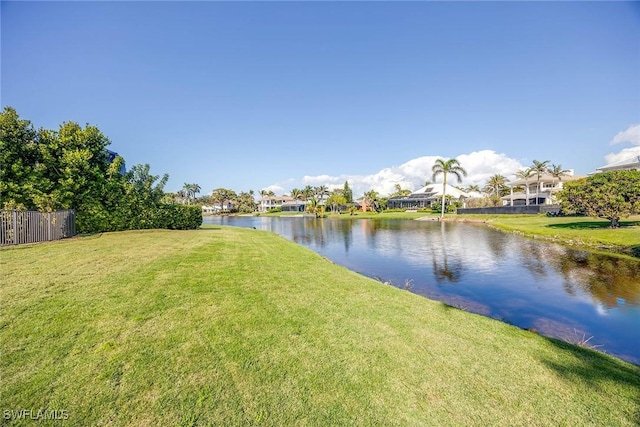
347 192
610 195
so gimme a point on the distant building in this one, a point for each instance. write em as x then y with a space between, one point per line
272 202
227 206
112 157
545 192
294 206
632 164
426 196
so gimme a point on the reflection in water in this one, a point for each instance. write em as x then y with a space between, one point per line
560 292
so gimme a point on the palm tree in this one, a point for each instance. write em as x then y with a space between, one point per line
495 184
321 191
445 167
525 174
308 192
556 171
187 189
539 168
296 193
194 189
473 187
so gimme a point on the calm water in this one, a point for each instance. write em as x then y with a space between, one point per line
560 292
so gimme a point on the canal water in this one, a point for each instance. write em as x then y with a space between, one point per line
569 294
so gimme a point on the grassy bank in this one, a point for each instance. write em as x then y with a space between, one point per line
229 326
593 233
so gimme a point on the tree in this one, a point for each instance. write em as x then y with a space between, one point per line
445 167
610 195
525 174
244 202
19 158
308 192
321 191
400 192
495 185
190 191
222 195
296 194
335 200
539 169
71 168
347 193
473 188
557 172
371 199
495 188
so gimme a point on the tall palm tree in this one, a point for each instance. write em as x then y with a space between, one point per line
445 167
539 168
321 191
187 189
308 192
194 189
556 171
525 174
296 193
473 187
495 184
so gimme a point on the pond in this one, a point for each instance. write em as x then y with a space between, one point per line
570 294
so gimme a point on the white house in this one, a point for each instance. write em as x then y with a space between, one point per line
272 202
425 196
544 189
626 164
226 206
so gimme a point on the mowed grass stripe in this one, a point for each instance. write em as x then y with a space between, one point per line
227 326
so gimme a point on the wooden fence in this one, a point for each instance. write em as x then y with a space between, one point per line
17 227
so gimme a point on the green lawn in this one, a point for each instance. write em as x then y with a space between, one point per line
226 326
575 231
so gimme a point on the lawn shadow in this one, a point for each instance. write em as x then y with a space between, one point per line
592 367
593 225
209 227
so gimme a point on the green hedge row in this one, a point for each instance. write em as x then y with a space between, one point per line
95 219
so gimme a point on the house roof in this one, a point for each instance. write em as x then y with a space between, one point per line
433 191
544 178
626 164
283 198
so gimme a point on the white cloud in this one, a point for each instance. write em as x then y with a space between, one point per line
480 165
631 134
626 154
277 189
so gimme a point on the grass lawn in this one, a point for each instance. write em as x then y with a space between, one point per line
229 326
575 231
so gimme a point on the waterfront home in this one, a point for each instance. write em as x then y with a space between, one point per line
632 164
227 206
426 196
540 192
272 202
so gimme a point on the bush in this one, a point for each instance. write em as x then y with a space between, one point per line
172 217
180 217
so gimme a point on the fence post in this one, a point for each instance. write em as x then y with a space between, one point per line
49 226
14 223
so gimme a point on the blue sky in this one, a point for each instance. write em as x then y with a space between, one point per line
254 95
